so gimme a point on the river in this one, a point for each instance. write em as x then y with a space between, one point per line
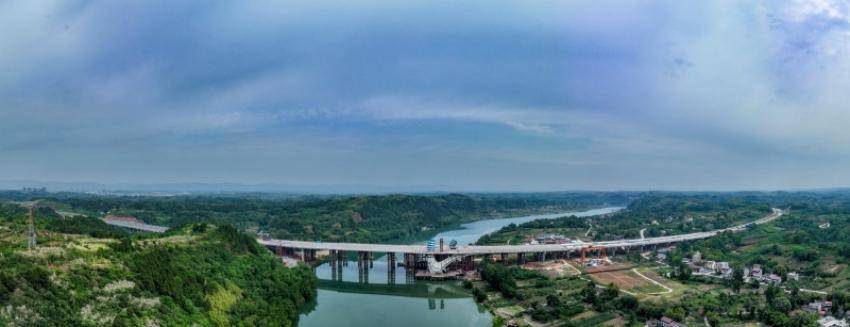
370 300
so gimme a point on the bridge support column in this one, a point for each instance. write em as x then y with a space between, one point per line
504 258
278 251
468 263
409 267
332 260
520 258
362 267
339 264
390 268
365 273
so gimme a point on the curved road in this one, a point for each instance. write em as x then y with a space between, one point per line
495 249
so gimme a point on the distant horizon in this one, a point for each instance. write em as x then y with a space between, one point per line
283 188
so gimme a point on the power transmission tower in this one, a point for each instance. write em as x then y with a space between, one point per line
31 240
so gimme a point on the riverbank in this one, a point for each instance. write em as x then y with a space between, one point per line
352 299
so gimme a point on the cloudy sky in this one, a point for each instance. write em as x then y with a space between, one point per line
435 95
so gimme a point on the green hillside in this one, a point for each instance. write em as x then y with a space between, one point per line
201 274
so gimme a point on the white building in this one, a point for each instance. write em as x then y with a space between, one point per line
756 271
793 276
830 321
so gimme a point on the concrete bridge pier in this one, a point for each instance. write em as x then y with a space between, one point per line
504 257
410 267
541 256
468 263
406 258
308 255
520 258
391 267
339 268
332 259
365 274
363 267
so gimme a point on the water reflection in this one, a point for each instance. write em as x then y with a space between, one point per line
373 294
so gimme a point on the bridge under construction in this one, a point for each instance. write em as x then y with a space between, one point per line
444 261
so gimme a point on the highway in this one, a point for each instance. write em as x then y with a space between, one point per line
496 249
136 226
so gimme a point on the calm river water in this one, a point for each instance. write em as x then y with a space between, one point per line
370 300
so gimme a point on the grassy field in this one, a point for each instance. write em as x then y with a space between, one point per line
627 281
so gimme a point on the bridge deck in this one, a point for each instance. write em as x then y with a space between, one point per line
480 249
136 226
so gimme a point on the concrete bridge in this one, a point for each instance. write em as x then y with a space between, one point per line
437 261
135 226
444 257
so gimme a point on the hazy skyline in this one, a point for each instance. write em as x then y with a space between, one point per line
432 95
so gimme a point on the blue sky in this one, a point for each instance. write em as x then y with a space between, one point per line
430 95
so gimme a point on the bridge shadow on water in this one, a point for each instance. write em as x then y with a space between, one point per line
434 292
431 290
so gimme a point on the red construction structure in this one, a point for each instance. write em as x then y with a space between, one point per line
591 248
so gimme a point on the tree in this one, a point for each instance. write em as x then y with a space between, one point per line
553 300
610 293
683 272
737 278
589 293
782 304
479 295
627 302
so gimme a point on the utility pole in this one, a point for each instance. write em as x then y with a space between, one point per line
31 240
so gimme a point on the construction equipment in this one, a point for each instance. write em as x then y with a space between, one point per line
586 249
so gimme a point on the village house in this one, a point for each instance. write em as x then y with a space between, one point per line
793 276
830 321
663 322
819 307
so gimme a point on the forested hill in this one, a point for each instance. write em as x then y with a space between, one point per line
200 274
374 218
